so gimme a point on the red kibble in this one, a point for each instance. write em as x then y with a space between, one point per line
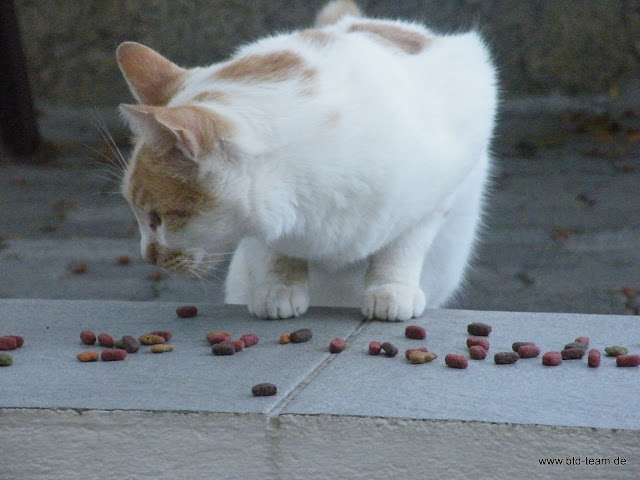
516 345
337 345
88 337
239 344
79 268
375 348
583 340
456 361
528 351
106 340
477 352
249 339
19 339
628 360
479 329
476 341
187 311
593 358
421 349
218 337
124 260
552 359
113 355
8 343
162 333
416 332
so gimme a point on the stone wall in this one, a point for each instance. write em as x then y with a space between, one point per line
568 46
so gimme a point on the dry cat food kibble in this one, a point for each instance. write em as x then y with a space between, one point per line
505 358
88 356
6 360
479 329
375 348
284 338
224 348
264 390
476 341
552 359
106 340
576 346
416 332
301 335
8 343
88 337
583 340
79 268
417 356
163 333
616 350
573 353
389 349
337 345
218 337
593 359
454 360
128 343
628 360
150 339
113 355
477 352
516 345
162 348
408 352
239 344
187 311
250 339
528 351
19 339
124 260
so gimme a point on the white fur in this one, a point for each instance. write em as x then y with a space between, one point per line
375 175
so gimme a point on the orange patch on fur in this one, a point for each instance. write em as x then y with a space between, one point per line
408 41
270 67
290 270
317 37
212 96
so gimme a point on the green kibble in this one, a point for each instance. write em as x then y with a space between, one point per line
616 350
5 360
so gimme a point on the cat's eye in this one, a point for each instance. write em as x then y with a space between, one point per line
154 220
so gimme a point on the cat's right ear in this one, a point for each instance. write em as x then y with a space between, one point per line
152 79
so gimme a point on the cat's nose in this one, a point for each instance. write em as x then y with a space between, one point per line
151 253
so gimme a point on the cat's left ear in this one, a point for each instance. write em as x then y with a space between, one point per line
190 129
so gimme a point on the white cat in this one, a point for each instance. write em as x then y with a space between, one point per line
348 163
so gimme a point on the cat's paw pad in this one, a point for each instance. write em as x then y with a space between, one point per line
280 301
393 301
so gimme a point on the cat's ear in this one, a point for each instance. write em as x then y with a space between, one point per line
153 79
190 129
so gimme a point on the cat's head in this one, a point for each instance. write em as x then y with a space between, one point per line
176 178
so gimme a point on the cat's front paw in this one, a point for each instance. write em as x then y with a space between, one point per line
279 301
393 301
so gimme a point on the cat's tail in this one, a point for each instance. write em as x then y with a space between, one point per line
335 11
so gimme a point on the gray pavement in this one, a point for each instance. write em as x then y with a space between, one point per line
562 230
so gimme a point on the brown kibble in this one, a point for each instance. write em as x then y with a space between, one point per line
516 345
218 337
113 355
477 352
572 353
476 341
552 359
8 343
162 348
187 311
124 260
454 360
420 349
375 348
224 348
88 337
575 345
163 333
479 329
418 356
149 339
129 344
337 345
628 360
505 358
79 268
264 390
105 340
416 332
88 356
593 359
301 335
389 349
529 351
284 338
249 339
